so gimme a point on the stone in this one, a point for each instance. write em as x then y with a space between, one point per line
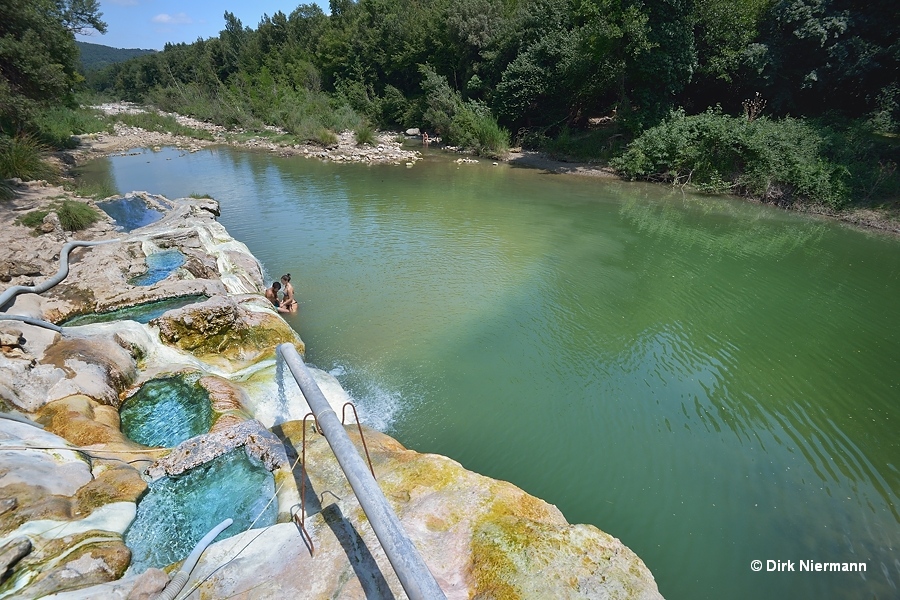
413 131
12 339
50 223
224 333
88 565
98 367
149 585
256 440
60 470
11 553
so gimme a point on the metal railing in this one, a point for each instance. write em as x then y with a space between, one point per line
417 581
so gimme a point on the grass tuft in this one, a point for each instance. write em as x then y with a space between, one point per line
73 215
23 157
365 134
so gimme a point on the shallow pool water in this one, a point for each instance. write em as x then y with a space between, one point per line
130 213
166 411
159 266
177 512
142 313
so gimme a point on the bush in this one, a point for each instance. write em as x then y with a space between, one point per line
474 128
22 157
6 191
775 161
365 134
569 143
467 124
75 216
32 218
253 101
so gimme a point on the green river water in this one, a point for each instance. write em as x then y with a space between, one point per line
711 381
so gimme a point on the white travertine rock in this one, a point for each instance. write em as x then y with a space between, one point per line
114 517
36 457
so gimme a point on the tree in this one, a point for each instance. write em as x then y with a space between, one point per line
819 55
38 55
80 16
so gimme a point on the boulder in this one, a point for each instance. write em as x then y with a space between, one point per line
11 553
224 333
256 440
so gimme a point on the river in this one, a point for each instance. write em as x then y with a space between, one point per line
711 381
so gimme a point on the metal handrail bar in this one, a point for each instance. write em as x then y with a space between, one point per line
417 581
359 428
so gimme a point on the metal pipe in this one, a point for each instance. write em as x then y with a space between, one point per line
7 296
177 584
19 419
32 321
417 581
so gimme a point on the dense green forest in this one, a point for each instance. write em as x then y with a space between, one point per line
782 100
97 56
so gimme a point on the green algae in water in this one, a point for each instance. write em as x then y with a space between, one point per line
177 512
159 266
142 313
167 411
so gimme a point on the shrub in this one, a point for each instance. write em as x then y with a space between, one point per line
601 144
6 191
775 161
365 134
467 124
324 136
474 128
75 216
22 157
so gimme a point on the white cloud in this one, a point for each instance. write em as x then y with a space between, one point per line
176 19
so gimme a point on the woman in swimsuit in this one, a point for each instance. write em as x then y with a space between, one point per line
287 299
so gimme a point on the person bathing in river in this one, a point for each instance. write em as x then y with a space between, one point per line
287 300
272 295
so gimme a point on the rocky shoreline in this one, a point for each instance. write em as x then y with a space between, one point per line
386 149
70 487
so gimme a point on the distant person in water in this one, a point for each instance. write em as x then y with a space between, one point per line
272 295
287 299
425 138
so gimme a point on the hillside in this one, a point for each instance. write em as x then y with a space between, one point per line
97 56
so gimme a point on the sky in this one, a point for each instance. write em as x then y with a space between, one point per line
149 24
